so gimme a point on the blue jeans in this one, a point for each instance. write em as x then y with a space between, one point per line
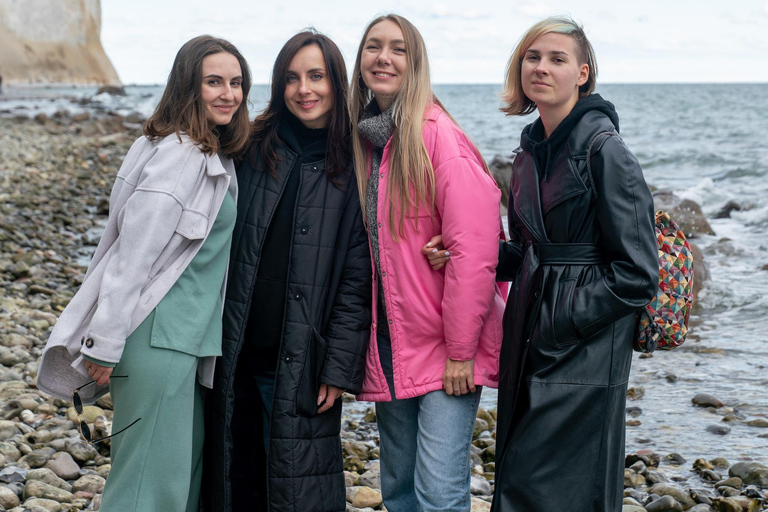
424 451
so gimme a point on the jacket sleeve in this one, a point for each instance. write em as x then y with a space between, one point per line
624 211
467 199
348 329
146 224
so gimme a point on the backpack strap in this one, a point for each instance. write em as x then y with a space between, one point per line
600 137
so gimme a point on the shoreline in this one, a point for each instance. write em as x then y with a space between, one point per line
57 173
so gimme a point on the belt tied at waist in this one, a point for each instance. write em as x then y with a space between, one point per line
570 254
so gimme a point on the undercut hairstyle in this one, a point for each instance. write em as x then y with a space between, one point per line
517 103
264 128
182 109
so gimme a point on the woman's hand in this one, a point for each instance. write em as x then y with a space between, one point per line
328 394
436 253
459 377
100 374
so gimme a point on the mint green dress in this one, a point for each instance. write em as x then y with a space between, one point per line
157 462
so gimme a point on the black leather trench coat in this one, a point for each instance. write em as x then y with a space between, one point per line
325 338
570 322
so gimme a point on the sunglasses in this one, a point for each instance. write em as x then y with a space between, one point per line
85 430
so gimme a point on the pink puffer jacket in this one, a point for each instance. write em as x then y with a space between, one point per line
455 312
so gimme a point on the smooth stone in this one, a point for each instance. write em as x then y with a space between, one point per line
371 478
12 474
362 496
479 486
355 448
479 505
710 476
480 426
759 422
719 430
639 467
751 473
42 503
655 476
720 462
701 507
487 417
64 466
90 413
727 505
89 483
49 477
733 481
675 458
632 479
38 489
82 451
705 400
632 508
8 498
664 504
38 458
728 492
676 493
9 450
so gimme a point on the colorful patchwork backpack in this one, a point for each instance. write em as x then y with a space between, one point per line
663 323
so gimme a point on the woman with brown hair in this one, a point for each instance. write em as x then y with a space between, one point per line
297 316
150 305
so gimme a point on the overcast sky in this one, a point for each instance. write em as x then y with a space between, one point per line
469 41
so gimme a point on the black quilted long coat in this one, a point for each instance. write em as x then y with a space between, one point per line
326 331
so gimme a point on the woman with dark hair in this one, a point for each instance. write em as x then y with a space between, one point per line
150 305
297 318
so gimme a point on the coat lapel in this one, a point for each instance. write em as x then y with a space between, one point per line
525 193
562 181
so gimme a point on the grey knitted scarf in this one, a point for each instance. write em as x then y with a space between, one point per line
377 127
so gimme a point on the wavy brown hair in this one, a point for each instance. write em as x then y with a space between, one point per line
181 108
264 136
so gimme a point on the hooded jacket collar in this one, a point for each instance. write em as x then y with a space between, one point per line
543 149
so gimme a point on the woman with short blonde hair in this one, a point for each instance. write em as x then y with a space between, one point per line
582 259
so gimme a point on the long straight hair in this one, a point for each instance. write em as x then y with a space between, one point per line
411 181
181 108
264 128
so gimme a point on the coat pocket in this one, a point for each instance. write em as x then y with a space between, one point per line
562 321
311 373
192 224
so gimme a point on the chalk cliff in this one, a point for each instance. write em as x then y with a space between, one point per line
53 41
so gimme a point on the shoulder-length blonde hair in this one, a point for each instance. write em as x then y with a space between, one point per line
181 108
517 103
410 167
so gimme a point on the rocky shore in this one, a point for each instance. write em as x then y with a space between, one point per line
55 176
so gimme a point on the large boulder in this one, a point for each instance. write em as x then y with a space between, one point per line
685 212
501 169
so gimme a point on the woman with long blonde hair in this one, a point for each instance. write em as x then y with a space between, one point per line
436 335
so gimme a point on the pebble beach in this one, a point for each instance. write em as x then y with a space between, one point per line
56 171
